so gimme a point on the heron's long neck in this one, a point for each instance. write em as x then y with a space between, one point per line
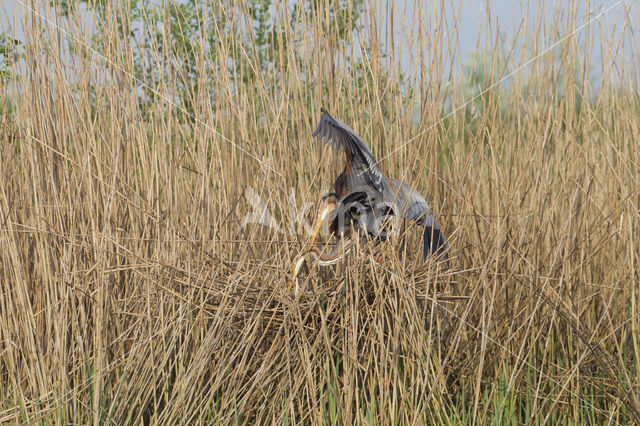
331 257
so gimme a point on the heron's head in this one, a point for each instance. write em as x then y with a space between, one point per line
317 255
295 269
297 266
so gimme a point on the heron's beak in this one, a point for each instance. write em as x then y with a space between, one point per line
321 218
294 273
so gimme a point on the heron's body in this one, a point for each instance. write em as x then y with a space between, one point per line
364 198
363 174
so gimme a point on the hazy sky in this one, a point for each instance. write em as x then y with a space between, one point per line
470 17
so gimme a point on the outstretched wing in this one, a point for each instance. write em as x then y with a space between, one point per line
434 241
342 136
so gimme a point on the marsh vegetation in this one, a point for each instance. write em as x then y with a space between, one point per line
136 138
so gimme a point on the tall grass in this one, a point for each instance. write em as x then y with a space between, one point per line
131 292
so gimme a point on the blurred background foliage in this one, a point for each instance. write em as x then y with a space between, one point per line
165 41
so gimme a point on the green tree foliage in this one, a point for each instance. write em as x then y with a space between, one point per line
9 53
168 39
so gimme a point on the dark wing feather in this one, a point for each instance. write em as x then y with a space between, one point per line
434 240
341 135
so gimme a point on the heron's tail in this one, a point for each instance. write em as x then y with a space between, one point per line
435 243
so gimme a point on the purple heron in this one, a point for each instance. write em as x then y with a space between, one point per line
364 200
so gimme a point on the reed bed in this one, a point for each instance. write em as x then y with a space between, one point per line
135 286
